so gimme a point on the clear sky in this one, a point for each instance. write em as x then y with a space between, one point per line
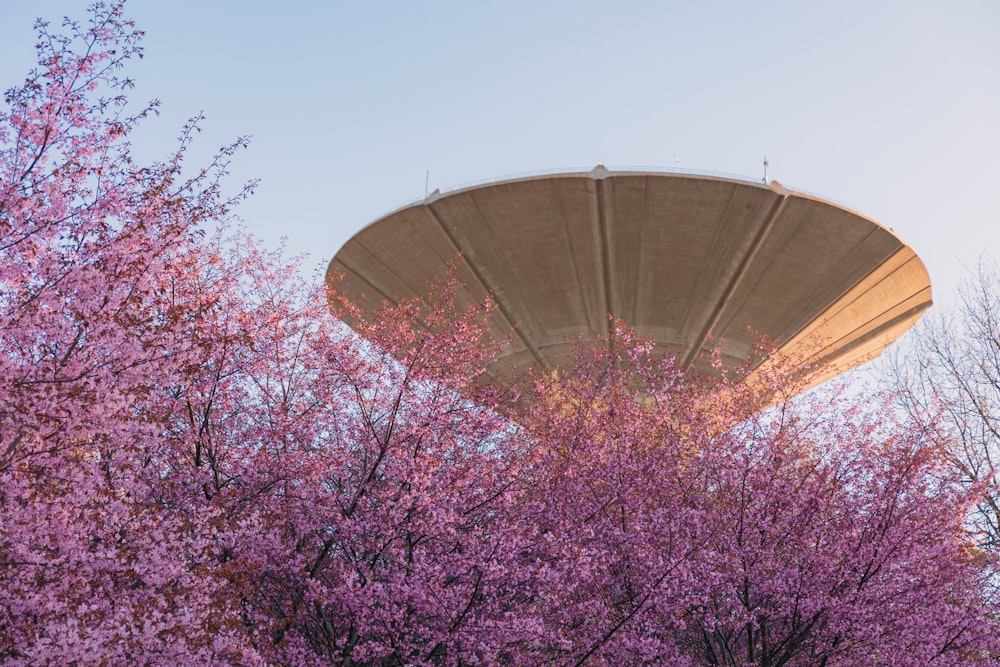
890 108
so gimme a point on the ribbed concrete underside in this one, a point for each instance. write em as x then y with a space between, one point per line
688 259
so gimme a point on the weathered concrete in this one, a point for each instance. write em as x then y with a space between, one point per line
686 258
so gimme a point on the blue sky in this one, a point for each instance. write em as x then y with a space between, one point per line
890 108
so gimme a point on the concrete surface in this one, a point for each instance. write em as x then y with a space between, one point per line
689 259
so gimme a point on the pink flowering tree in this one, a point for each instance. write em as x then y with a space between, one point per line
103 265
199 464
678 521
196 463
836 539
391 543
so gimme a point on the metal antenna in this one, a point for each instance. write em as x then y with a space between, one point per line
765 169
427 182
677 164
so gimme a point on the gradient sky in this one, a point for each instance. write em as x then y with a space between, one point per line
889 108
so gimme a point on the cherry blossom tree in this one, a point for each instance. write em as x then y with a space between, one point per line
837 541
199 464
683 521
101 263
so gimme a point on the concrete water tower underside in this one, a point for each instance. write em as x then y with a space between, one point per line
693 260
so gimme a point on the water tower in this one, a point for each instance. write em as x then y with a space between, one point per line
694 260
